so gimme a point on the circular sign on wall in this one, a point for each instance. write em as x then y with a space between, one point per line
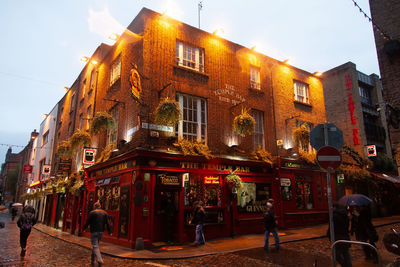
329 157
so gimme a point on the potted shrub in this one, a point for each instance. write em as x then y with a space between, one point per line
103 121
244 124
168 112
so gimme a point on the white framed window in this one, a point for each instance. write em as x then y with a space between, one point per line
113 134
189 56
258 135
115 70
255 78
301 92
45 138
193 125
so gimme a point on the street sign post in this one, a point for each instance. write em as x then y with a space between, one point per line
329 158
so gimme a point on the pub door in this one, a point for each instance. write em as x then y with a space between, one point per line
166 207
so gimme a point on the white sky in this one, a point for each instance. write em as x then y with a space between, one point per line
42 41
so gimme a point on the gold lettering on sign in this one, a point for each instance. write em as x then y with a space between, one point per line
229 168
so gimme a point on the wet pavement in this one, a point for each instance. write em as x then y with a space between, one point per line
45 250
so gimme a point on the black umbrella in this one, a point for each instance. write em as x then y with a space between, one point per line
354 200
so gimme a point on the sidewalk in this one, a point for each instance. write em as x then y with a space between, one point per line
217 246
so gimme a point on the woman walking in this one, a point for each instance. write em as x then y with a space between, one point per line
25 223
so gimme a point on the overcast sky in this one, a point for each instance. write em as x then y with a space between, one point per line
42 41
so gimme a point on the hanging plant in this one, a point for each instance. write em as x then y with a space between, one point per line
168 112
80 137
244 124
75 189
102 122
64 149
358 160
301 135
310 157
106 153
234 181
198 148
263 155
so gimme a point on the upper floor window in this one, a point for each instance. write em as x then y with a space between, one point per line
189 56
89 114
92 80
193 125
113 134
258 134
83 88
45 138
255 77
301 92
80 121
365 95
115 70
72 105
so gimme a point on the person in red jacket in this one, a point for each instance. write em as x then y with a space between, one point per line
98 221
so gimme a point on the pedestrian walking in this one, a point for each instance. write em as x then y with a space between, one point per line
362 227
341 228
98 221
25 223
198 220
14 212
270 227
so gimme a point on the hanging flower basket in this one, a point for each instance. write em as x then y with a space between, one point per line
75 189
234 181
263 155
301 135
244 124
80 137
102 122
168 112
106 153
64 149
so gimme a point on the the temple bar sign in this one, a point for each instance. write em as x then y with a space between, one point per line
198 165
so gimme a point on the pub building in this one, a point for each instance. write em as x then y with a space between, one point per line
133 189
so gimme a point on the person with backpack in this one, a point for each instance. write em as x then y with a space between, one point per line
25 223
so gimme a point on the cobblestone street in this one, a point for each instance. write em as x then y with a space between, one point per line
44 250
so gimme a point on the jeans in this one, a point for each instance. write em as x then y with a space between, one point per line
276 237
95 238
199 234
23 237
343 256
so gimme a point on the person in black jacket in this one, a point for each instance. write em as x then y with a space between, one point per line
25 223
98 220
270 226
198 219
341 229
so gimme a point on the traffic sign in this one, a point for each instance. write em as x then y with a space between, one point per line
334 138
329 157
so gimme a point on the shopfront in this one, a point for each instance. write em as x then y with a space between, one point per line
151 195
303 193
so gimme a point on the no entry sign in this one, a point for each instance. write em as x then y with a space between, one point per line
329 157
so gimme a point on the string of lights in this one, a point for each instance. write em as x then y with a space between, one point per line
381 32
10 145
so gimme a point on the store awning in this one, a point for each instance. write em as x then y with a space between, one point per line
393 179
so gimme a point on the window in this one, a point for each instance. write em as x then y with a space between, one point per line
80 121
193 125
304 196
89 114
83 88
113 134
115 71
258 135
189 56
69 128
92 80
253 197
41 164
45 138
301 92
365 95
255 78
72 104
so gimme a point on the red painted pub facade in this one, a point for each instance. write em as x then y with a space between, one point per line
133 189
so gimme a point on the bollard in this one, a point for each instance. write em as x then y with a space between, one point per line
139 244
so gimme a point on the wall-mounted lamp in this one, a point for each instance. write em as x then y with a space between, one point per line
113 37
66 88
253 48
45 115
287 61
218 32
94 62
317 73
84 59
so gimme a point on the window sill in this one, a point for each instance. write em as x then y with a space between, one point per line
203 74
256 90
115 85
302 103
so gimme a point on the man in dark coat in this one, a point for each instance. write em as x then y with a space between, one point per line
270 226
25 223
361 225
198 220
98 221
341 228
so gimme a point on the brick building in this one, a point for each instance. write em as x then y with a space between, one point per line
387 39
213 80
352 101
